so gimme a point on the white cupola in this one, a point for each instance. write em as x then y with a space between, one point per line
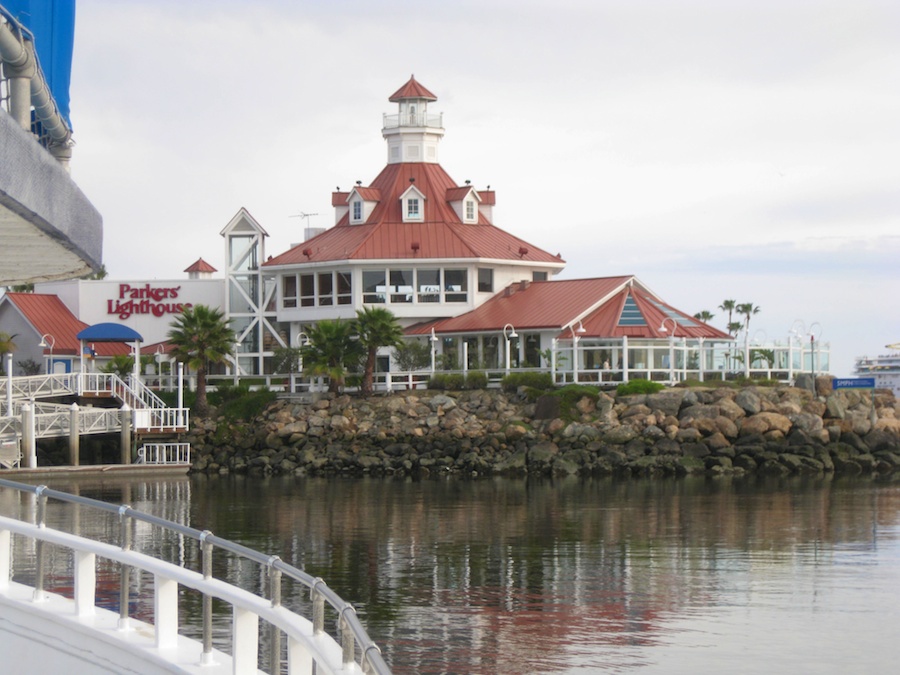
412 134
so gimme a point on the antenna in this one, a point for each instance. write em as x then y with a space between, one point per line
308 232
307 216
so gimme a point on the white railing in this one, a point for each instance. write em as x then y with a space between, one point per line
309 647
164 453
40 386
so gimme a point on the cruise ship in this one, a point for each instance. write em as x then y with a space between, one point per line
884 368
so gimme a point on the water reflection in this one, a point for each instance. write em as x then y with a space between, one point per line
520 576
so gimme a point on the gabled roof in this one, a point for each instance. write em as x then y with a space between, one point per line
440 234
558 305
49 316
412 89
457 194
201 266
367 194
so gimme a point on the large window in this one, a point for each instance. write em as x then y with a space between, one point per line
539 276
307 290
326 289
428 282
456 286
401 285
485 280
374 286
344 288
289 291
406 285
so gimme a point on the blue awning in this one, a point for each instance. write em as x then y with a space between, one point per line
109 332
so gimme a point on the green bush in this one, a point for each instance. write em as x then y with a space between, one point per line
476 379
513 381
447 381
639 387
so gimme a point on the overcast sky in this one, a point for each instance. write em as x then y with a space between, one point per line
742 149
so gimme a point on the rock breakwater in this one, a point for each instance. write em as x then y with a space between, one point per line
771 431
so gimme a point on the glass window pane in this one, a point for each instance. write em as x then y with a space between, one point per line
307 290
374 287
429 285
401 285
289 290
326 289
344 288
485 280
455 286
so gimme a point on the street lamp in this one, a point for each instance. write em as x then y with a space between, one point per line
575 337
48 340
160 352
302 339
512 334
434 339
662 328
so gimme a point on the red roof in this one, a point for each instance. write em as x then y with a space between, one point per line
49 316
440 235
201 266
555 305
412 89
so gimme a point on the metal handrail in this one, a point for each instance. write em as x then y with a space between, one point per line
352 636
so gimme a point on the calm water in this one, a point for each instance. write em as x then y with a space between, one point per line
578 576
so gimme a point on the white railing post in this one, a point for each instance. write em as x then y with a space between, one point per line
245 641
165 612
85 583
5 553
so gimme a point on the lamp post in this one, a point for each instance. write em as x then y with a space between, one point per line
160 352
507 337
47 340
813 338
433 340
662 328
575 338
302 340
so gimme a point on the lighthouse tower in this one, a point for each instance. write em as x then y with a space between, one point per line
413 133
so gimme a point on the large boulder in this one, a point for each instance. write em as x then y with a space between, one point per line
765 422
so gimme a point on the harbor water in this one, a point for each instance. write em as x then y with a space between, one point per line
486 575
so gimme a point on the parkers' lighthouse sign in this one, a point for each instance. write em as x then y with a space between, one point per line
146 299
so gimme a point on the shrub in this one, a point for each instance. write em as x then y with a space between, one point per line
476 379
451 381
639 387
513 381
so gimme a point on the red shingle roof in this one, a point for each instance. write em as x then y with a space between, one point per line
412 89
48 315
440 235
201 266
556 305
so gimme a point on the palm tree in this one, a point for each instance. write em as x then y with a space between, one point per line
7 346
728 306
332 350
705 316
734 326
747 309
200 335
377 327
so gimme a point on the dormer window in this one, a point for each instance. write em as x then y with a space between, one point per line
357 214
470 210
412 204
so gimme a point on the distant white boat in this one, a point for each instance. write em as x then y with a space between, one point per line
884 368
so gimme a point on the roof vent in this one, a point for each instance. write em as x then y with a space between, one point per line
307 252
523 251
414 246
359 182
412 179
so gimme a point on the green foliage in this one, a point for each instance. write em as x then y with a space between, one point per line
238 402
119 364
476 379
200 335
447 381
29 367
638 387
412 355
286 359
569 396
332 351
513 381
6 346
377 327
